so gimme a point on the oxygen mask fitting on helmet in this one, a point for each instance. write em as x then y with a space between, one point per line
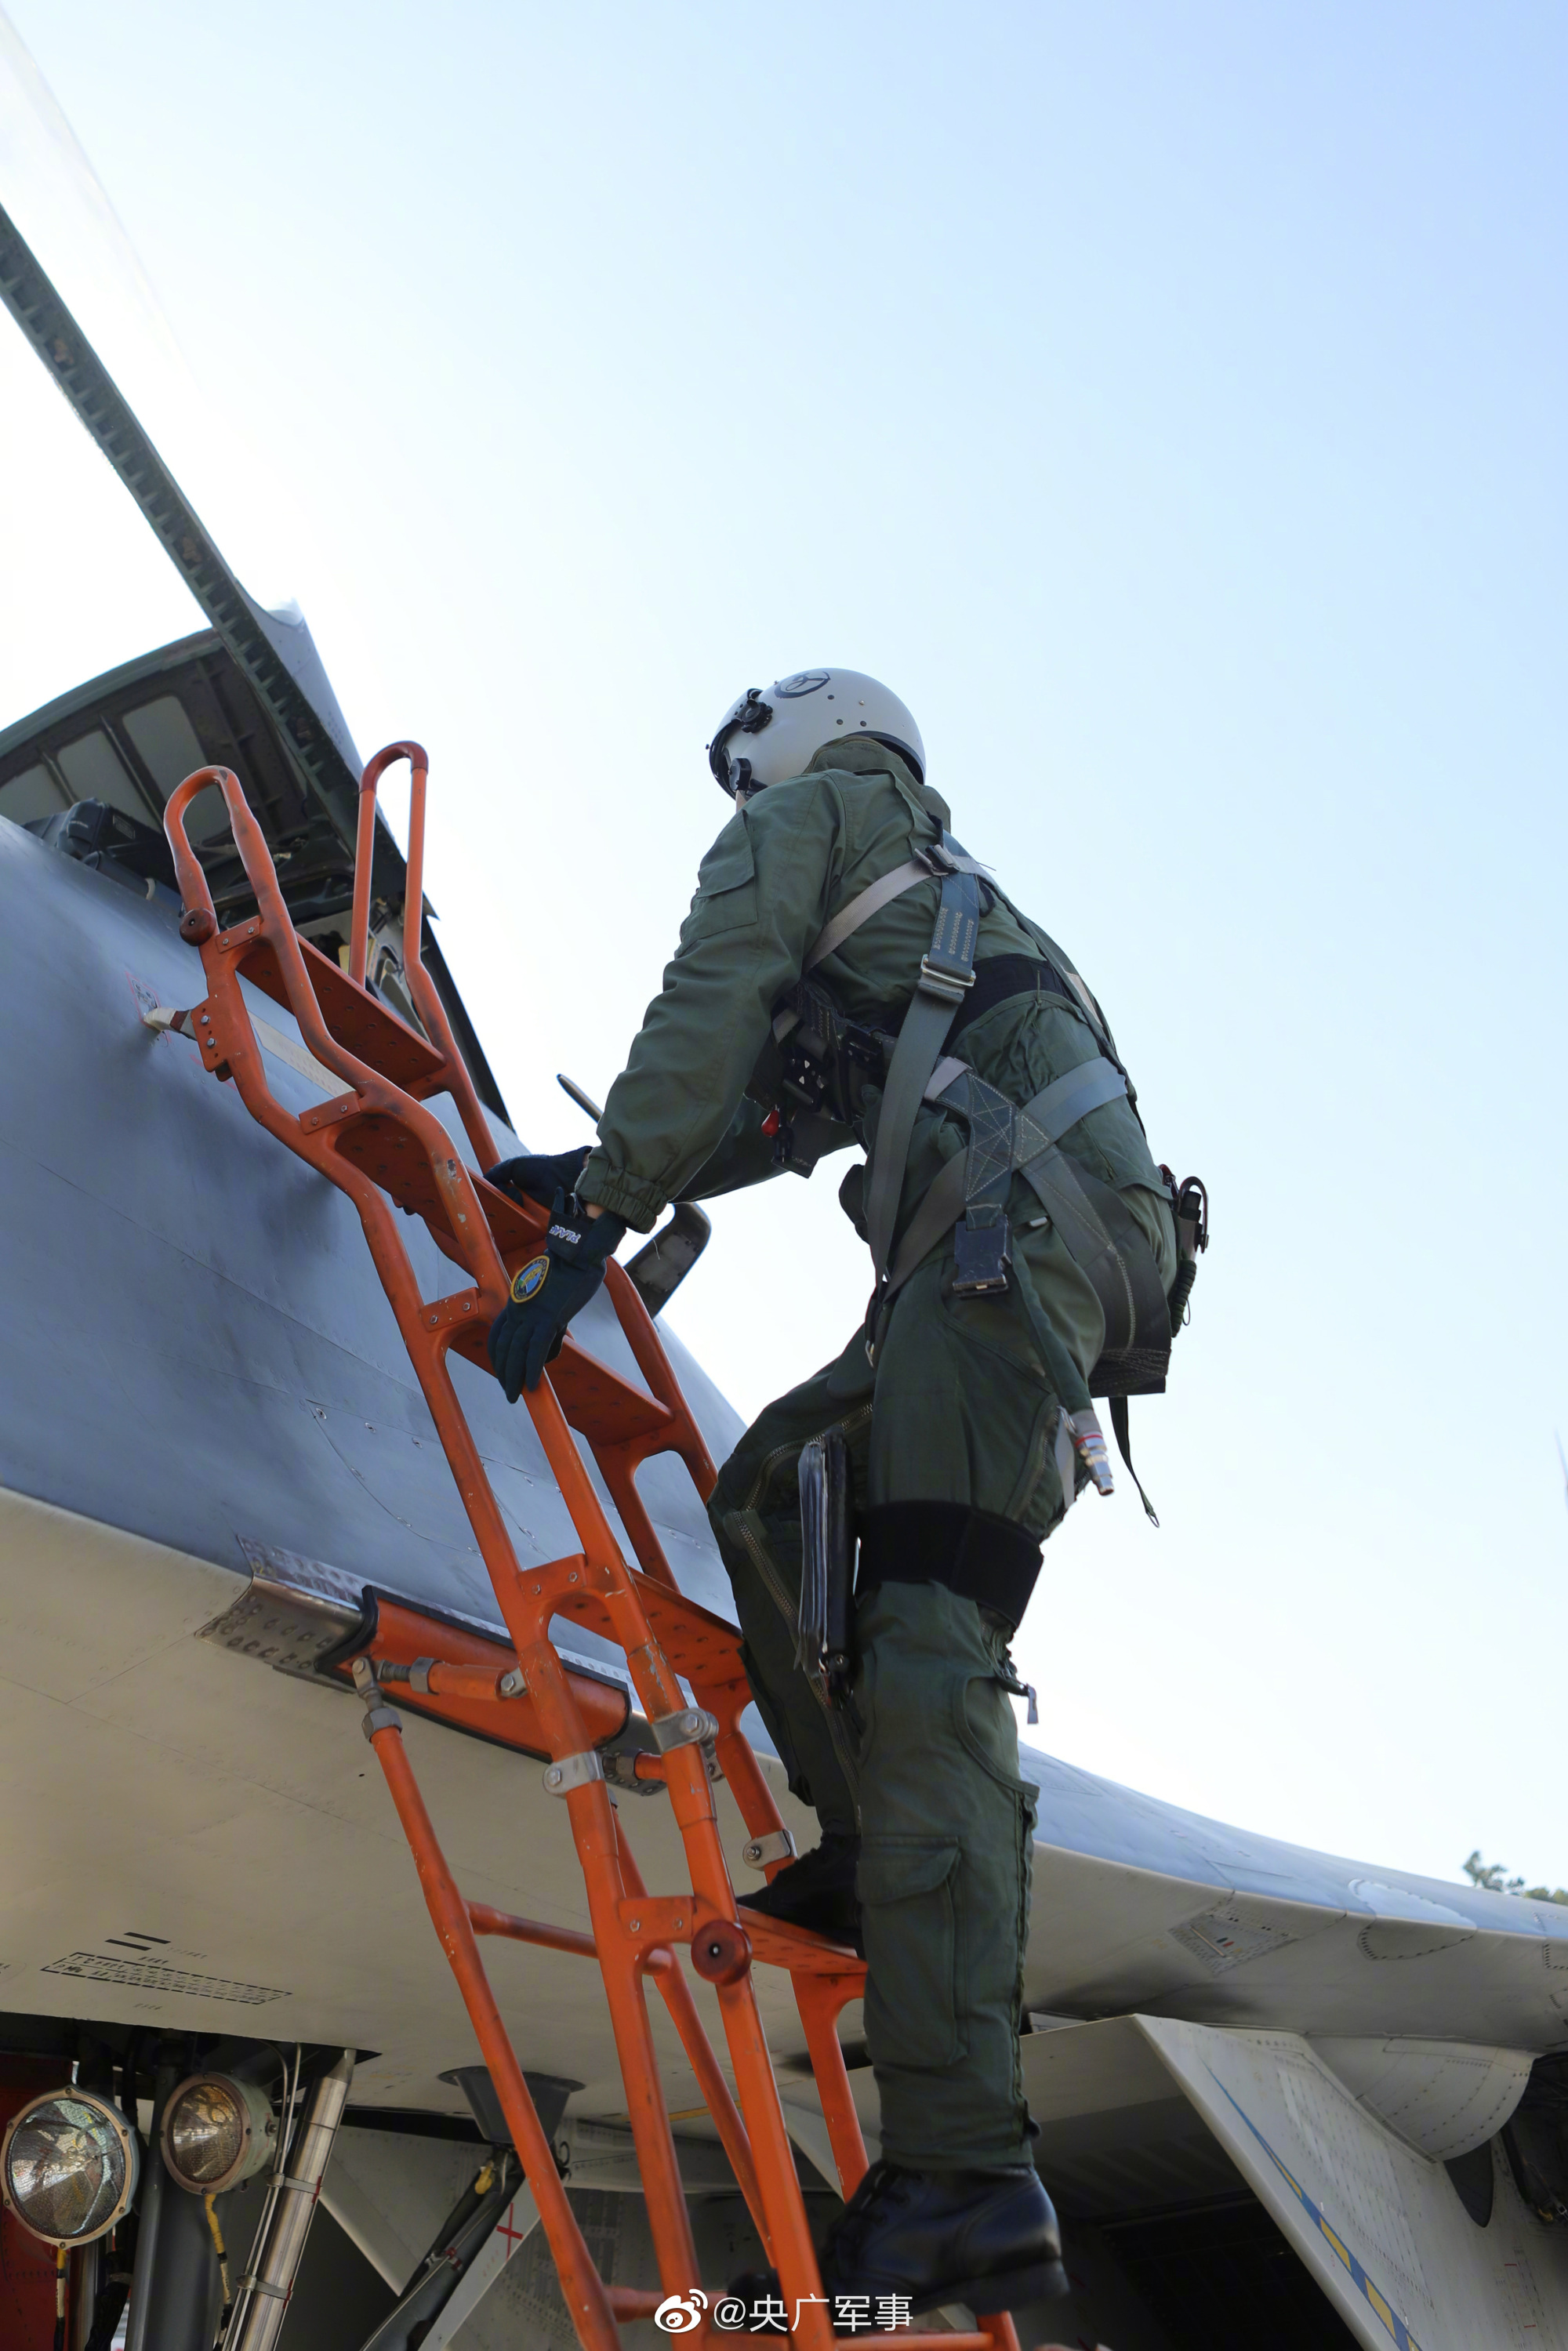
774 732
750 715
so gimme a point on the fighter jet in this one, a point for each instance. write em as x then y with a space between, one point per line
1283 2098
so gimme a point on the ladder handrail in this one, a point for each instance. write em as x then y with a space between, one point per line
422 987
199 924
382 1096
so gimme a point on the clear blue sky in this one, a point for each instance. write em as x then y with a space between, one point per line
1168 403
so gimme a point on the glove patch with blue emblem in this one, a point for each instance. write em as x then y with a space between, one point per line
549 1291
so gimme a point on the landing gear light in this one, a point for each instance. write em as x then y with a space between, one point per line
68 2167
217 2132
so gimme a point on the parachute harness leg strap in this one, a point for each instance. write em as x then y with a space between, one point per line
385 1151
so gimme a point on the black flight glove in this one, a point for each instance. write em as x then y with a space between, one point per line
549 1291
540 1176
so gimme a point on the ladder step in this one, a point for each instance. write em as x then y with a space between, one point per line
358 1019
597 1402
804 1954
698 1643
601 1406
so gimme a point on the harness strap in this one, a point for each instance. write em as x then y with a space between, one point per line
1043 1121
1119 1421
882 892
946 974
999 979
1038 1127
948 1068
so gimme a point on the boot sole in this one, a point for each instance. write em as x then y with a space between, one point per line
1005 2290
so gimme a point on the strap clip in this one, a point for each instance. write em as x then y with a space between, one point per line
940 860
982 1246
569 1771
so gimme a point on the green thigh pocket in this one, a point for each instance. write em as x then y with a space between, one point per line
912 2001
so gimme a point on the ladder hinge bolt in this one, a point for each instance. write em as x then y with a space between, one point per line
687 1729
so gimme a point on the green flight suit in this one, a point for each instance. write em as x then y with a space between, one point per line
960 1411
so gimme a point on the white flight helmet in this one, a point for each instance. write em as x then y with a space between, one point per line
773 732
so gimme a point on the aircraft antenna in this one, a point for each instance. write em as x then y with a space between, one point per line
586 1102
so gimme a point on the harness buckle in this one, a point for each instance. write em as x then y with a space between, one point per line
952 986
983 1253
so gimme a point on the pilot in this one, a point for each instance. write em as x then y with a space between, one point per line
847 975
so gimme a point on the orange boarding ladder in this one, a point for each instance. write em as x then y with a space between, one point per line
380 1144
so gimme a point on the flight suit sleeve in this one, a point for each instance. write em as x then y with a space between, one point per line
743 1156
761 897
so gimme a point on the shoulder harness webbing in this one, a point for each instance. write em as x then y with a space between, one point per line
969 1196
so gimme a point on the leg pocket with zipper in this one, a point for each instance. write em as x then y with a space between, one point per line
914 2000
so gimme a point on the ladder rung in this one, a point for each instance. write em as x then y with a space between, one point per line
354 1016
487 1920
804 1954
698 1643
599 1405
597 1402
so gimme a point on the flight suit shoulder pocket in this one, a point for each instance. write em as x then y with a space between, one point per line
727 886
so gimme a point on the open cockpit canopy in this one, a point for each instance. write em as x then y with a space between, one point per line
92 769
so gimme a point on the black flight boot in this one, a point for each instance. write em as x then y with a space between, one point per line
985 2238
817 1892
